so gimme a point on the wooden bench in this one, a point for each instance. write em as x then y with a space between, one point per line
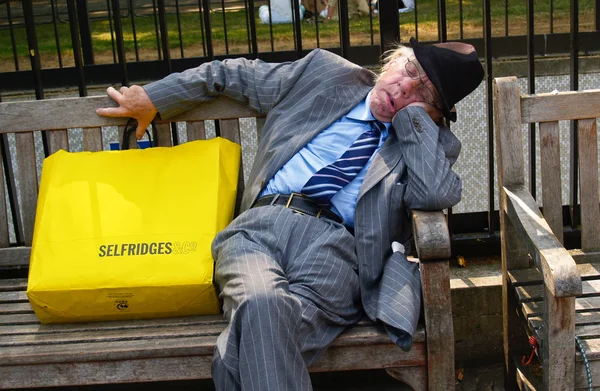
35 355
552 291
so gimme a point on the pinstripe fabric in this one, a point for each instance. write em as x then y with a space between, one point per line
286 296
412 170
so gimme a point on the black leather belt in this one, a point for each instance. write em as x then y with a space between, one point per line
299 203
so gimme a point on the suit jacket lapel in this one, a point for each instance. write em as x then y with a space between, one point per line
384 161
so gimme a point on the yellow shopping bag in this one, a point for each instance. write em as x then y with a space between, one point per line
126 235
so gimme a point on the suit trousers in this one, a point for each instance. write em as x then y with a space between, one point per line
289 286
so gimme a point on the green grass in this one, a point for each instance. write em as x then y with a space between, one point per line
328 33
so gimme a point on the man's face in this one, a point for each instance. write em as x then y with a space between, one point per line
403 82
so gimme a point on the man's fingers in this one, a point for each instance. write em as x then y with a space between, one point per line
114 94
141 129
112 112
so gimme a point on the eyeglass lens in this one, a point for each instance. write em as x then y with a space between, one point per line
413 72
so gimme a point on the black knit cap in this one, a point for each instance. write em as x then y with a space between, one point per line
453 68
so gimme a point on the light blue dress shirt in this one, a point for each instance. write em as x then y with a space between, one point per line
323 150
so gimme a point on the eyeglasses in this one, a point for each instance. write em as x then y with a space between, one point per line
424 92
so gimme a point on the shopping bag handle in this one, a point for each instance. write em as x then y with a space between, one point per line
130 129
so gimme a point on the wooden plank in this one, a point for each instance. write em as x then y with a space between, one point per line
581 381
562 106
511 170
116 336
557 266
34 326
163 132
437 306
528 293
581 318
13 284
432 237
195 130
587 271
4 211
230 129
69 113
551 181
28 184
588 179
587 309
57 139
92 139
18 319
15 308
559 338
13 297
260 124
14 257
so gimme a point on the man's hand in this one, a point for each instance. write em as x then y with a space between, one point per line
435 113
133 102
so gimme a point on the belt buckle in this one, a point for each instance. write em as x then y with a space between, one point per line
289 202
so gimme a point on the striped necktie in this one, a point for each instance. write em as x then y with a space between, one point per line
326 182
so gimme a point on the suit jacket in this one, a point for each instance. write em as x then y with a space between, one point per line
412 170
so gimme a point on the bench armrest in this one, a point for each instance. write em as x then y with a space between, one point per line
561 276
432 237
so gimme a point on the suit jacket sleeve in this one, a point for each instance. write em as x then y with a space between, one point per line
429 152
255 83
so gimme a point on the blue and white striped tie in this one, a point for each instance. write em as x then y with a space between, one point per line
326 182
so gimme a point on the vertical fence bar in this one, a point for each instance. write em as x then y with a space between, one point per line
252 19
208 29
270 25
531 90
370 22
56 35
135 42
416 23
110 25
389 24
317 25
32 42
225 27
297 28
156 29
119 38
442 27
71 7
460 18
574 84
11 187
85 32
200 15
551 16
597 7
487 41
344 27
12 36
506 18
164 35
179 27
248 39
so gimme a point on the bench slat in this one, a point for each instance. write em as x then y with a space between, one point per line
28 184
164 135
13 297
536 292
588 177
58 139
92 139
15 308
587 271
13 284
4 230
14 257
25 116
582 305
560 107
18 319
230 129
551 181
195 130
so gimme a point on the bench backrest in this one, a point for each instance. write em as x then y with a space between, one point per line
20 174
512 110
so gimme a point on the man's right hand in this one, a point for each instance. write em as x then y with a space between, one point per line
133 102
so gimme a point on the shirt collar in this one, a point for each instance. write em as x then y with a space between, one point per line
362 112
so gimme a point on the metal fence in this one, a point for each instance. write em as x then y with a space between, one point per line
68 43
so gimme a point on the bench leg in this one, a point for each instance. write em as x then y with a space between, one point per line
415 377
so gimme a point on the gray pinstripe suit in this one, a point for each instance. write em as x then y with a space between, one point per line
291 283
